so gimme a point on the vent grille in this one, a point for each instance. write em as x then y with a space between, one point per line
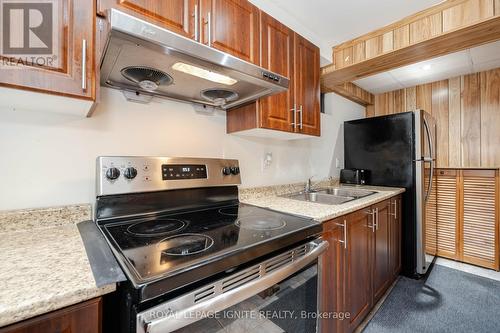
250 274
204 294
146 77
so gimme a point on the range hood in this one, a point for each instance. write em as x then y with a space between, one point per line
146 61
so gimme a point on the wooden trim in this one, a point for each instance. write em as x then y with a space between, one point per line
451 26
352 92
403 23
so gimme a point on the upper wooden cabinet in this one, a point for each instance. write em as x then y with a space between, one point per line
231 26
307 86
66 67
176 15
277 43
296 110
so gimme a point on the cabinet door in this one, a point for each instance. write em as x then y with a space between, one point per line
80 318
307 86
175 15
276 112
395 231
382 274
480 229
231 26
59 57
447 184
332 290
357 273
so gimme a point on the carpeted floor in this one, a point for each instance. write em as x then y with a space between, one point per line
448 301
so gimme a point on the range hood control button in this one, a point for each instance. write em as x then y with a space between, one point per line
112 173
235 170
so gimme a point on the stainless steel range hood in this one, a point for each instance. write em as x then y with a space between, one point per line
146 60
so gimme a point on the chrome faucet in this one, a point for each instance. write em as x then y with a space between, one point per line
309 186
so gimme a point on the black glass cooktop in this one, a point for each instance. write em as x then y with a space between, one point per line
166 245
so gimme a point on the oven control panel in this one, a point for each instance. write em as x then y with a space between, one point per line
183 171
133 174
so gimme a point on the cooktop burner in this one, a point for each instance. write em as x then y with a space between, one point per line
186 244
236 211
260 223
157 227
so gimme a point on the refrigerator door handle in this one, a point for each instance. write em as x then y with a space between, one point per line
431 159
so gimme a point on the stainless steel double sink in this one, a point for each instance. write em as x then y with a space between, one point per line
331 195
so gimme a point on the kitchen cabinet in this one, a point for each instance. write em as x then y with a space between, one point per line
468 216
296 110
178 16
66 63
85 317
361 263
358 267
231 26
382 273
307 86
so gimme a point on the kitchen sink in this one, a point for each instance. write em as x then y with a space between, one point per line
346 192
330 196
322 198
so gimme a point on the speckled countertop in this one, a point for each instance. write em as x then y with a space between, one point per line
44 263
269 197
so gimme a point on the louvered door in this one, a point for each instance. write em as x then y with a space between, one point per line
480 218
447 214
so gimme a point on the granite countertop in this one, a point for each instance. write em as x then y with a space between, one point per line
269 197
44 262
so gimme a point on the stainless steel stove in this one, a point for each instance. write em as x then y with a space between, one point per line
176 226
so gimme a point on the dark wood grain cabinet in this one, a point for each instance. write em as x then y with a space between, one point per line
65 62
296 110
84 317
176 15
231 26
363 260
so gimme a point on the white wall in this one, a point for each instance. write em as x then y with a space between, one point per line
48 159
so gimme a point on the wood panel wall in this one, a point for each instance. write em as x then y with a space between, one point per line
467 113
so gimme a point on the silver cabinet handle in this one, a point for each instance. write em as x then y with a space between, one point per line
373 225
301 116
84 64
395 205
209 25
376 218
196 24
294 110
344 226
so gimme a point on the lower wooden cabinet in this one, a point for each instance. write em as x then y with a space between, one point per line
468 216
80 318
363 260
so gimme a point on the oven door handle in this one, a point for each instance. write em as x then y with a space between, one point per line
185 310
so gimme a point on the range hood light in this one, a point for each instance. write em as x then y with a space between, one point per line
204 74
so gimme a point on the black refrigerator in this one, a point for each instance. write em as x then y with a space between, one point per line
399 150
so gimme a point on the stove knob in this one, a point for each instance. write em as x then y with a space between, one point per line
112 173
130 173
226 171
235 170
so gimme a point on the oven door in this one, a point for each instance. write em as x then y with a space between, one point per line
276 295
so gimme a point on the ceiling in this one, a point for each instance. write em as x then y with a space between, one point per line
335 21
469 61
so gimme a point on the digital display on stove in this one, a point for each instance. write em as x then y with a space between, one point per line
183 171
